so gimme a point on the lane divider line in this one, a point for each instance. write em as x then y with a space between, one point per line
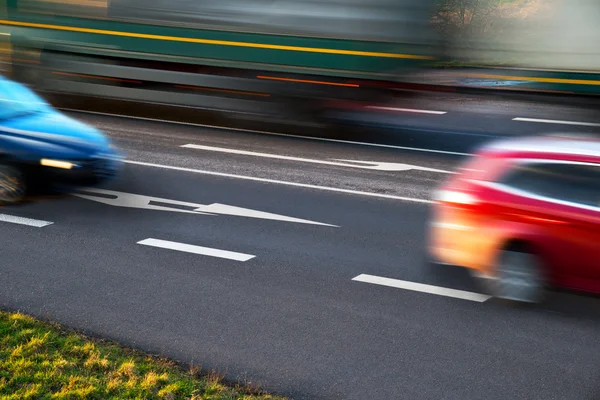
188 248
420 287
278 182
369 165
409 110
224 128
555 121
13 219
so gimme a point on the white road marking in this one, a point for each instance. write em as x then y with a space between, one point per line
278 182
166 121
420 287
189 248
13 219
371 165
410 110
555 121
395 167
224 209
131 200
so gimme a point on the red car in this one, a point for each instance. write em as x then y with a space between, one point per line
523 215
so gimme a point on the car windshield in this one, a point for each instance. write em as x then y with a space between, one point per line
17 100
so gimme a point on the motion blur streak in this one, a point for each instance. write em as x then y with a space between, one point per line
306 81
529 212
345 52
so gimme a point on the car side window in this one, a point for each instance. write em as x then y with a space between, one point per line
575 183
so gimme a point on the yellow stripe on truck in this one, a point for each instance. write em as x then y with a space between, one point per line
213 42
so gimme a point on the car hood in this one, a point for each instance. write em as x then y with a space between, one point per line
56 128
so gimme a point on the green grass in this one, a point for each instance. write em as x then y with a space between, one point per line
40 360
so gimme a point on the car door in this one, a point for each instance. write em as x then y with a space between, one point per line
559 203
578 190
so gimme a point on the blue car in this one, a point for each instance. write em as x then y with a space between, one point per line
40 146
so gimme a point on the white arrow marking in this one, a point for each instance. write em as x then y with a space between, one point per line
388 166
130 200
224 209
372 165
137 201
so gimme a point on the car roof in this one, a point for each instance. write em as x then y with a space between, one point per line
566 146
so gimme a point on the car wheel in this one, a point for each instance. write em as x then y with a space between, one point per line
484 282
518 277
12 184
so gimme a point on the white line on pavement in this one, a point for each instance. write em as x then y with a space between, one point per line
371 165
384 146
410 110
13 219
132 200
555 121
420 287
295 184
188 248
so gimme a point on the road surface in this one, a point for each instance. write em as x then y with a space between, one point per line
297 263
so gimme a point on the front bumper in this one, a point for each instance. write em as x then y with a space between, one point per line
95 169
453 237
103 166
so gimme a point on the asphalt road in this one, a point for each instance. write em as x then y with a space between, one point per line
411 119
274 298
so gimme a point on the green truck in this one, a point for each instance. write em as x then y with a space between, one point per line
223 54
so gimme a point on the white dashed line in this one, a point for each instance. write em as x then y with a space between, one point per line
420 287
555 121
188 248
409 110
278 182
13 219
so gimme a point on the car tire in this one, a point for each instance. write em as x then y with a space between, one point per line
12 184
518 277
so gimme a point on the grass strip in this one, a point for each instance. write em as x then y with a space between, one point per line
40 360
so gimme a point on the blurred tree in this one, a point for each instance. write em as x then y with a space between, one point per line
461 18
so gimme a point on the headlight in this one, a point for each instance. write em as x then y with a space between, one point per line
450 196
46 162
